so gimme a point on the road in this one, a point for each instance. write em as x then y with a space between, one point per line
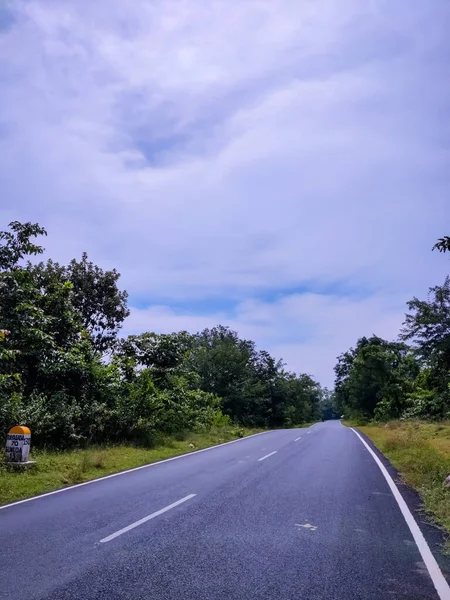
289 514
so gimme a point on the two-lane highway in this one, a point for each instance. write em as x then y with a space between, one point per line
299 513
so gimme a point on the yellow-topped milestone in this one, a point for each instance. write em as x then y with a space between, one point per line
20 429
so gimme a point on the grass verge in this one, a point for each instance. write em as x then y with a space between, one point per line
421 453
54 470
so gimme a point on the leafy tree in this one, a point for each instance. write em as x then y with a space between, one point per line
301 399
428 325
102 307
223 363
423 401
46 352
16 244
161 352
41 323
254 387
375 372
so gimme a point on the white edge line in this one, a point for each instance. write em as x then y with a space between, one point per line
77 485
267 455
434 571
145 519
296 439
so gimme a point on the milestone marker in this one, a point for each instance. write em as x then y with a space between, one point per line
18 446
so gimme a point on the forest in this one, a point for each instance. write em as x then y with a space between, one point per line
406 378
68 373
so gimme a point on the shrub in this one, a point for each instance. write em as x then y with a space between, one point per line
384 410
424 404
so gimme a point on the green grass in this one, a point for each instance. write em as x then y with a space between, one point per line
421 453
54 470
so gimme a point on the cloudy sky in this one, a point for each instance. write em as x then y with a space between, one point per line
281 166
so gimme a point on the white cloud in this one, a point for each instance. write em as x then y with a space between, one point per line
217 150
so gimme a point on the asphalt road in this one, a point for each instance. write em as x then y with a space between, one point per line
314 519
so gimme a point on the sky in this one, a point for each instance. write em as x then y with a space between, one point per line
278 166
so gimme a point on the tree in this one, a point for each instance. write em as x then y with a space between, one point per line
375 376
443 244
428 326
254 387
163 354
41 321
46 354
223 363
303 398
95 296
102 305
16 244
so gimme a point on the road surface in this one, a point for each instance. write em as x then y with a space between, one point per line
289 514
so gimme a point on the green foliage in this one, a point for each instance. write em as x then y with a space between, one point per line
384 410
423 404
64 373
16 244
255 389
100 305
373 379
386 380
428 326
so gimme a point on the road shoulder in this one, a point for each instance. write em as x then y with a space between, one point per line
435 535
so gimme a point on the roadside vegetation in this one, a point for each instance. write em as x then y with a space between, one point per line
406 378
397 392
68 374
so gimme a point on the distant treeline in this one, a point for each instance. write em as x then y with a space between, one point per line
66 373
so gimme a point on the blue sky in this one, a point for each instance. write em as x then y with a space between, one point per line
275 165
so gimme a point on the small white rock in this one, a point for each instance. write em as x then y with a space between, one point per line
447 481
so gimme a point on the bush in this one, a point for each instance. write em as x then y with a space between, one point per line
221 420
384 410
145 436
238 432
424 404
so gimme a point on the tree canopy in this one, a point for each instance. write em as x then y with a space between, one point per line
67 374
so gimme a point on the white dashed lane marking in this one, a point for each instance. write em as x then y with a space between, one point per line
267 456
145 519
